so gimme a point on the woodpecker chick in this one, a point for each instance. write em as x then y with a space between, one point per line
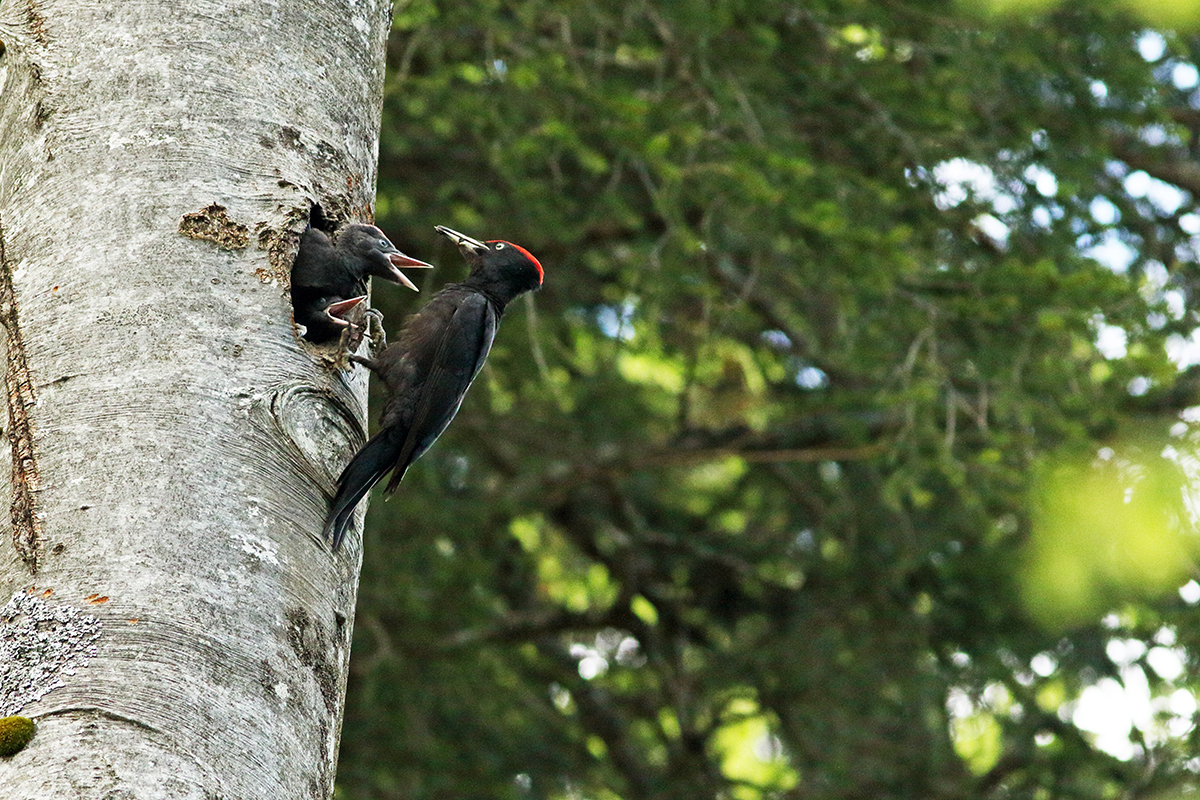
428 370
328 274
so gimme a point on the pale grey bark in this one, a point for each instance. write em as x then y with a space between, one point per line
179 629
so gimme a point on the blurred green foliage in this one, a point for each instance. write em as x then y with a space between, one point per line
1101 531
828 461
1177 13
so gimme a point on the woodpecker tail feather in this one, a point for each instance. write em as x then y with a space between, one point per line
365 470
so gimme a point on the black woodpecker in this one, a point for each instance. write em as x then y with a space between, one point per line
428 370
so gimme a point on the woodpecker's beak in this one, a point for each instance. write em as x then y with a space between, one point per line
469 246
337 311
398 260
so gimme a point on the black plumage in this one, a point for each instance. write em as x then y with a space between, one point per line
329 273
428 370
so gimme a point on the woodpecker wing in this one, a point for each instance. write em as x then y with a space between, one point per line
460 354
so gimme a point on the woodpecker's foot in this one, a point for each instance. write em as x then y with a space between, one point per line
366 324
356 329
375 332
352 336
355 358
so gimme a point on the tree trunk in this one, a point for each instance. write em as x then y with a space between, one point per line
176 628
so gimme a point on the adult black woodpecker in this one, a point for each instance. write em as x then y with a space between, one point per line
429 368
327 275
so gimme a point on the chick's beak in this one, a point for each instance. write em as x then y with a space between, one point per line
398 260
337 311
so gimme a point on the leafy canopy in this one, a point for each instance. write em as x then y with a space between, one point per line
828 462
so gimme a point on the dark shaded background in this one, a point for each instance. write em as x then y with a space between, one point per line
741 506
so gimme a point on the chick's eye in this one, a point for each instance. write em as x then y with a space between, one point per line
499 245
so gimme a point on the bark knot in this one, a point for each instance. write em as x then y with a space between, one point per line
213 223
311 643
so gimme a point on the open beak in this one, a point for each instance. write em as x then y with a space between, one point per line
465 243
398 260
337 311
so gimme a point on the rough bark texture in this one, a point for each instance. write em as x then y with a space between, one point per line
176 627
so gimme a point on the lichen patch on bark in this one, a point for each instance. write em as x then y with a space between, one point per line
213 223
18 384
41 644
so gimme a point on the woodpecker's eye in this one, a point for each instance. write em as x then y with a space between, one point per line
383 243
